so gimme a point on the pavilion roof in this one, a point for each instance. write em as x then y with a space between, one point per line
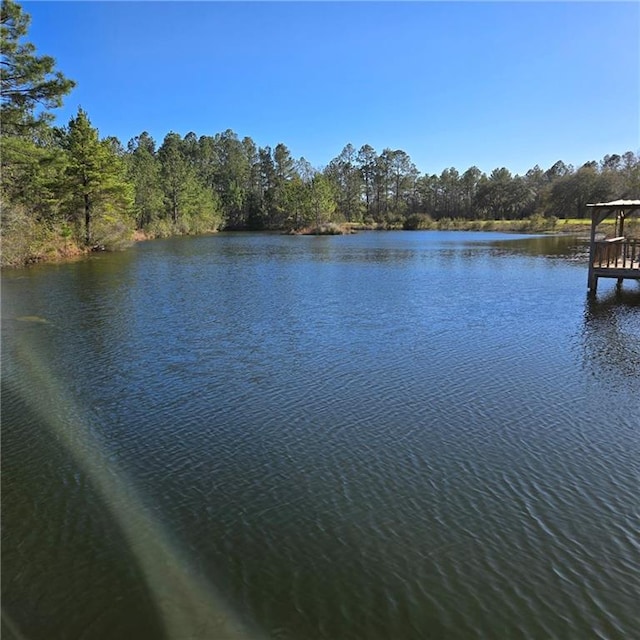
617 204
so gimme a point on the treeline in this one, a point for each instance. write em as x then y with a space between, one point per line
67 190
262 188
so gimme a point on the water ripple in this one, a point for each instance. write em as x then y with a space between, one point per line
383 436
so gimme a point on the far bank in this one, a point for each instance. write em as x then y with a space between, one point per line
28 245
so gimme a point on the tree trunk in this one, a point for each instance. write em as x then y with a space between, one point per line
87 212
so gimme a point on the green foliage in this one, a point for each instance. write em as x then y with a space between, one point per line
189 202
346 180
538 222
24 239
176 173
322 200
143 171
112 232
233 176
31 174
21 237
32 164
96 188
202 211
28 81
418 221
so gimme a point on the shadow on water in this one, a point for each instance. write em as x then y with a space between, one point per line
547 246
611 335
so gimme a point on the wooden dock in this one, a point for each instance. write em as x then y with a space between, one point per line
617 257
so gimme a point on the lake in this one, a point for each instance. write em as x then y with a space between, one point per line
382 436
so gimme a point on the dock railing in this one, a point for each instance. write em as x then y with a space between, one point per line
617 253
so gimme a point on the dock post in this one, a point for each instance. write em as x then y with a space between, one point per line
592 281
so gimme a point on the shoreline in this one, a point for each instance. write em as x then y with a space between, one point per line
70 252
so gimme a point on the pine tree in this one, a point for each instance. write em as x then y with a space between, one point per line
144 172
28 82
190 203
96 182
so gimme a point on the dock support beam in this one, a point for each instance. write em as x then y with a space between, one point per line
592 281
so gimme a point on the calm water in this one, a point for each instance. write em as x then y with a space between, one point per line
384 436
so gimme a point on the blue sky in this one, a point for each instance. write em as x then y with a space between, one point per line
457 84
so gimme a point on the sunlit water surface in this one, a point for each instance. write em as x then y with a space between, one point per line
383 436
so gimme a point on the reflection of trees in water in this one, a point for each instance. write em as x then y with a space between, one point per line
565 247
611 335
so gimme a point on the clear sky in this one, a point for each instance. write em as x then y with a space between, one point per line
457 84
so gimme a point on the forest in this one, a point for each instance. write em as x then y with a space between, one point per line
68 190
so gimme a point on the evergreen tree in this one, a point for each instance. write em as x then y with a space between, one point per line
366 160
191 204
96 185
404 174
28 82
144 173
232 178
252 186
267 187
347 181
322 199
284 168
382 179
31 163
176 174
